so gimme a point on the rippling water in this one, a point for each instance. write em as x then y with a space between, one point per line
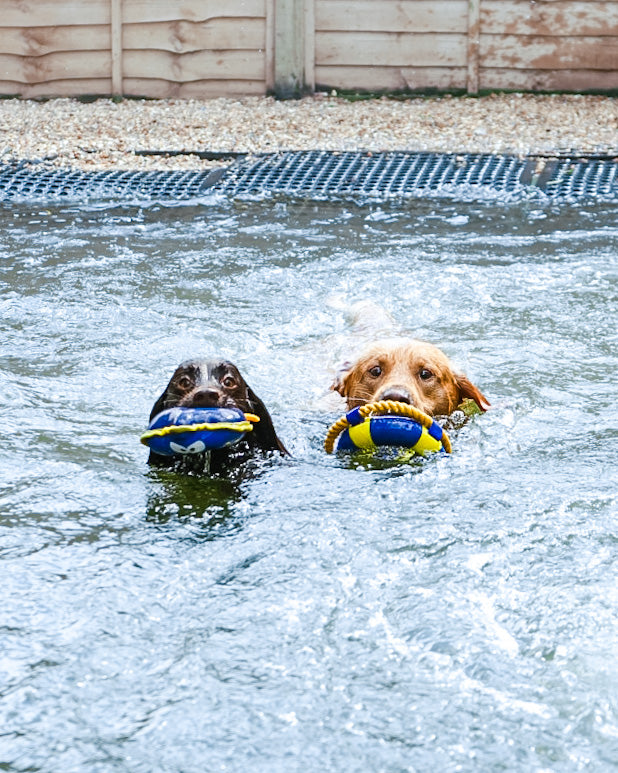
457 614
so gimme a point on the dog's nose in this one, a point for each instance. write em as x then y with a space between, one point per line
397 393
205 398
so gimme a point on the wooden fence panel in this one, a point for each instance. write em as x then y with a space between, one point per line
153 48
204 48
549 45
391 44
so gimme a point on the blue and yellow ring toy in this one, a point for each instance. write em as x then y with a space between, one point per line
387 423
195 430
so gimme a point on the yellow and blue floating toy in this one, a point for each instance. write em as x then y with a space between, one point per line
195 430
387 423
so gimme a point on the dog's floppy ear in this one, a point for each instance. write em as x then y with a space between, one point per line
158 406
263 433
154 459
340 382
467 391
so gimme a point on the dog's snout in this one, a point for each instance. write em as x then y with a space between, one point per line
207 397
396 393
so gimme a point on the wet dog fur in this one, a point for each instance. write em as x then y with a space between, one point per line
213 383
409 371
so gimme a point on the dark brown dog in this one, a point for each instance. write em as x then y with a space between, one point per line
216 384
408 371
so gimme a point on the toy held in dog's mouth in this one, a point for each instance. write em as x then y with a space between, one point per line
387 423
182 431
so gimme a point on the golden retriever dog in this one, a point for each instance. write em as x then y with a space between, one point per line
408 371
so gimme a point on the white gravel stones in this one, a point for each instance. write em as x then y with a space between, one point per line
104 134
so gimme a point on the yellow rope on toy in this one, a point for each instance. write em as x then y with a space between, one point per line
209 426
388 407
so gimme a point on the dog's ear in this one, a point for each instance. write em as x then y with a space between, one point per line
263 434
467 391
158 406
341 377
154 459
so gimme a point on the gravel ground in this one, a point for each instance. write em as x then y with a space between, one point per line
104 134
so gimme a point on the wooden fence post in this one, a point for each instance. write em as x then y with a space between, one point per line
474 34
289 54
116 35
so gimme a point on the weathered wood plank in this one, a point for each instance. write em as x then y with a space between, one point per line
549 53
35 41
560 18
178 37
184 37
391 15
56 66
390 78
199 89
59 88
41 13
140 11
150 88
549 80
201 65
389 49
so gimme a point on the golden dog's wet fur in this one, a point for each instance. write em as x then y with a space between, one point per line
409 371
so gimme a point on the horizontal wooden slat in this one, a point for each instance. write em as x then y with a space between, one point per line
560 18
180 37
141 11
392 15
183 37
199 89
42 13
390 49
153 89
390 78
17 13
244 65
35 41
81 65
549 80
549 53
202 65
60 88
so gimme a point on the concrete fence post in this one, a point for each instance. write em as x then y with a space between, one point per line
289 44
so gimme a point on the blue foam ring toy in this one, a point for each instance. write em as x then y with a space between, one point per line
195 430
363 429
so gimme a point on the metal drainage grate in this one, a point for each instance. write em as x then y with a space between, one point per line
323 175
366 175
28 181
582 178
319 174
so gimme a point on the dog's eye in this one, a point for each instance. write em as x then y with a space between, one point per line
229 382
375 371
425 374
184 382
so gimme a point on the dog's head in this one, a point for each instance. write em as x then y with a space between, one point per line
408 371
217 384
